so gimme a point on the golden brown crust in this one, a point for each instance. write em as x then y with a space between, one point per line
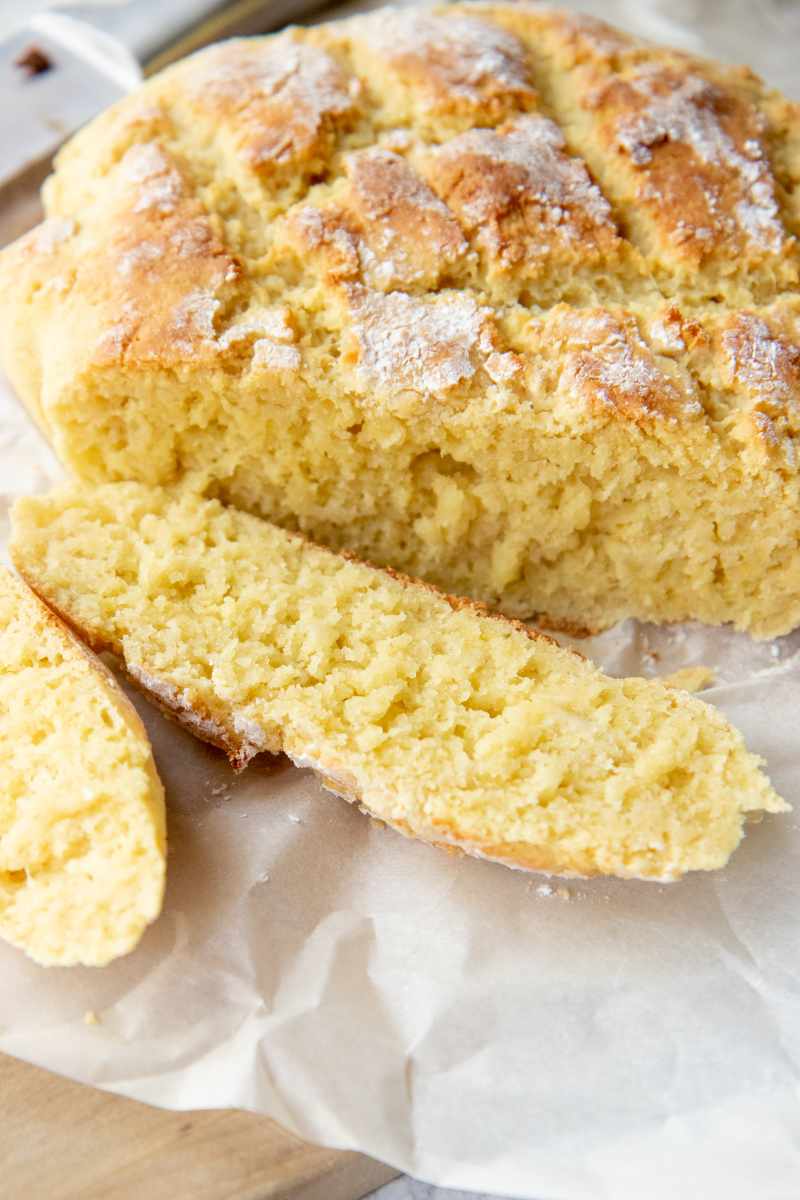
696 155
573 629
424 225
760 359
152 280
388 228
522 198
280 100
606 366
454 65
161 221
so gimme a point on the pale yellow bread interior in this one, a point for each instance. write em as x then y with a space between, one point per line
495 295
449 723
82 825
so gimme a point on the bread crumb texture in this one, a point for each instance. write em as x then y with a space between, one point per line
690 679
82 830
448 723
494 295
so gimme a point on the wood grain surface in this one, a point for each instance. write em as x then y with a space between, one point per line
60 1140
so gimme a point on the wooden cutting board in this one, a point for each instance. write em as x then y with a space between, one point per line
62 1141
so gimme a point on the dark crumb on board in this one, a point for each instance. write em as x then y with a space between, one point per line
33 61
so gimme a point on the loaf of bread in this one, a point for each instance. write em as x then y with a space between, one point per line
82 829
495 295
450 724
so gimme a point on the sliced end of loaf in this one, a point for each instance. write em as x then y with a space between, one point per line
82 821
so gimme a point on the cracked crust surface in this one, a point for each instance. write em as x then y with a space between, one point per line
496 295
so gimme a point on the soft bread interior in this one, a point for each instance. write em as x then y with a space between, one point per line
446 722
82 825
497 296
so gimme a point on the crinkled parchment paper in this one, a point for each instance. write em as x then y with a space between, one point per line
471 1025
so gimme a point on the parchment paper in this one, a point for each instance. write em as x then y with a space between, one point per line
476 1027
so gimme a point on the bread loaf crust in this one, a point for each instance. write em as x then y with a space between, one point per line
495 295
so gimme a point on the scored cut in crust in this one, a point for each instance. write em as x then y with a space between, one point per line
495 295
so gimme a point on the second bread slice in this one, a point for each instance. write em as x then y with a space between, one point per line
82 823
447 723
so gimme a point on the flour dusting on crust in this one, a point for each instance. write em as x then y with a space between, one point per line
279 91
428 347
455 55
610 364
685 111
545 175
158 185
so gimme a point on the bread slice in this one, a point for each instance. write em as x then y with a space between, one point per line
82 828
446 722
494 295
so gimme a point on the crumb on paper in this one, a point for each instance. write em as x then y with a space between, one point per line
90 1017
33 61
295 820
689 679
550 889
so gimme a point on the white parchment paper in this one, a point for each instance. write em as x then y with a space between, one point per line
470 1025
